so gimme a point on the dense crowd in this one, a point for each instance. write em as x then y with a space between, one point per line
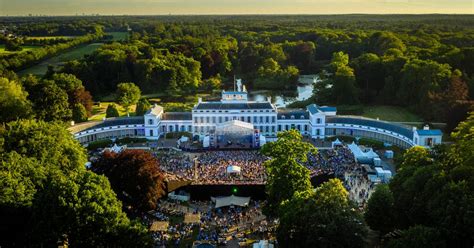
331 161
212 167
215 226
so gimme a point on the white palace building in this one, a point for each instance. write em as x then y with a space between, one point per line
235 119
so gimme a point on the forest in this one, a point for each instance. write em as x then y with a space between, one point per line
424 63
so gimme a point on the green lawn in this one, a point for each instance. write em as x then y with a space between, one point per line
386 113
75 53
98 112
118 36
49 37
25 48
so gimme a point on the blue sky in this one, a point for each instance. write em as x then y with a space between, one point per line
155 7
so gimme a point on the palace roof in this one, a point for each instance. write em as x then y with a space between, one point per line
229 106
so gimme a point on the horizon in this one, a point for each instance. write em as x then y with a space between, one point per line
232 7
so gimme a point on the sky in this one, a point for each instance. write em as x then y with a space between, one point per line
179 7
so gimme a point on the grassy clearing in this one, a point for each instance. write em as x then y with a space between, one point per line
118 36
386 113
75 53
98 111
49 37
25 48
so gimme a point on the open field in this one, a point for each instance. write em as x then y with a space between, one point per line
118 36
72 54
25 48
75 53
386 113
98 112
49 37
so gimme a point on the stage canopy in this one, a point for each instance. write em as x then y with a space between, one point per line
225 201
233 169
235 127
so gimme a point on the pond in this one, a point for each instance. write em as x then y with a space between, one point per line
283 98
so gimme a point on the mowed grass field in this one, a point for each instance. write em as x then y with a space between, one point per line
49 37
118 36
76 53
98 112
386 113
25 48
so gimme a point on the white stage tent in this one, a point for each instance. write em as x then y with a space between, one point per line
233 169
361 156
225 201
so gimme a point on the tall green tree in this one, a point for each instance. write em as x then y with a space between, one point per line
50 102
379 212
14 103
111 111
79 113
323 218
142 107
48 194
127 95
285 170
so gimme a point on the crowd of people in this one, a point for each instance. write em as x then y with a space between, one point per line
210 168
216 225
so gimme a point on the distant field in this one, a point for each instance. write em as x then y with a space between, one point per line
25 48
76 53
49 37
386 113
118 36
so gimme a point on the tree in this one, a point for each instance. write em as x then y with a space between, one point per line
381 42
83 97
142 107
13 45
434 189
286 173
50 102
323 218
111 111
418 236
344 89
13 101
379 212
211 84
128 94
79 113
47 192
135 176
369 75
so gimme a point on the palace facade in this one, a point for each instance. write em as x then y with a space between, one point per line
234 108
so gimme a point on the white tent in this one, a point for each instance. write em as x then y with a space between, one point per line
233 169
225 201
356 151
183 139
115 148
262 244
206 142
371 154
263 140
389 154
337 142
